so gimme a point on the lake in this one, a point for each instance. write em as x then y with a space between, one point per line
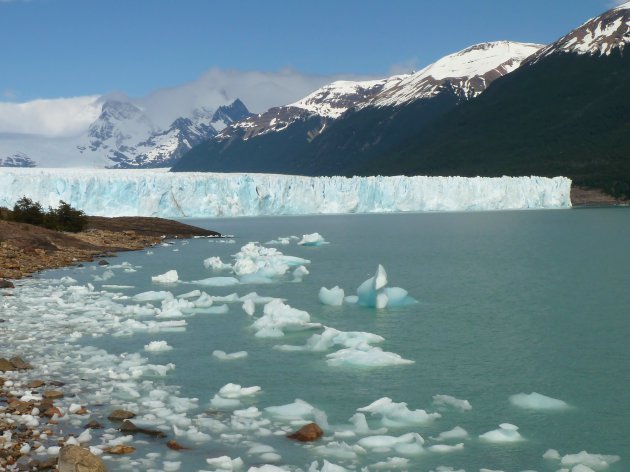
507 303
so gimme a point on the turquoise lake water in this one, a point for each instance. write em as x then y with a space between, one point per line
509 302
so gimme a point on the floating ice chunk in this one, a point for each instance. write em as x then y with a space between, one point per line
351 299
217 281
300 273
392 463
536 401
256 278
506 433
249 307
261 263
217 310
365 356
581 468
331 337
157 346
151 296
314 239
339 450
333 296
171 466
374 293
169 277
594 461
456 433
225 463
267 468
282 240
446 447
278 317
397 414
215 263
407 445
232 390
204 300
192 294
326 467
552 454
298 410
445 400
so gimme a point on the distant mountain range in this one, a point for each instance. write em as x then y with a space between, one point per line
498 108
338 127
493 109
123 136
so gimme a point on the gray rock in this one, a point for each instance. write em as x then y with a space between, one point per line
77 459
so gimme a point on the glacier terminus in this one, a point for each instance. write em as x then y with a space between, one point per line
202 195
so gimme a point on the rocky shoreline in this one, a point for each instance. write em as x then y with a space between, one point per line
31 417
26 249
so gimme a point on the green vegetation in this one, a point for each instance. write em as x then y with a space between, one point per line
62 218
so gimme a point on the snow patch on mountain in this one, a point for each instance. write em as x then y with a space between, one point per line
599 36
467 73
18 159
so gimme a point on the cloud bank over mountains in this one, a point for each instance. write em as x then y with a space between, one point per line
259 91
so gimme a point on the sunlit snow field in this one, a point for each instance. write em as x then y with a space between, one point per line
508 303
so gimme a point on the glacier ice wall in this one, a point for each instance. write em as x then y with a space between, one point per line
179 195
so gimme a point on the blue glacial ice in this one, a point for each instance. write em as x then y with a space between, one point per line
159 193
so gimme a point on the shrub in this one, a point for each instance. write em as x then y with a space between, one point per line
27 211
62 218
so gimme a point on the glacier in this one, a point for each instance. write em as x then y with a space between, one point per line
104 192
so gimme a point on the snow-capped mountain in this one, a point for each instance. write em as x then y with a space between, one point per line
18 159
347 118
599 36
127 138
466 73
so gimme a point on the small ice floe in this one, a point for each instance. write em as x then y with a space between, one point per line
314 239
365 356
230 395
331 296
326 467
223 356
506 433
281 241
151 296
443 448
278 317
447 400
339 450
332 337
249 307
536 401
456 433
217 282
392 463
409 444
582 461
298 412
225 463
157 346
299 273
108 274
398 414
215 263
374 293
169 277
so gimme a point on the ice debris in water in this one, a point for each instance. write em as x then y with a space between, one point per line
407 445
365 356
230 395
169 277
299 273
279 317
332 337
281 240
222 355
397 414
536 401
374 293
447 400
333 296
264 262
442 448
585 460
456 433
157 346
215 263
314 239
506 433
299 412
392 463
326 467
225 464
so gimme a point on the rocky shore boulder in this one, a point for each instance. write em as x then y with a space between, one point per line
308 432
77 459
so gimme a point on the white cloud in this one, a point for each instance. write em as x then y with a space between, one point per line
258 90
49 117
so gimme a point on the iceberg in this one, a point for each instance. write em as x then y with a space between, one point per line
201 195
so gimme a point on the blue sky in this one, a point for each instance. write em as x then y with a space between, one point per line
65 48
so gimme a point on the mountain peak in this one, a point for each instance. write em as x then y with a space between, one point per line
599 36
